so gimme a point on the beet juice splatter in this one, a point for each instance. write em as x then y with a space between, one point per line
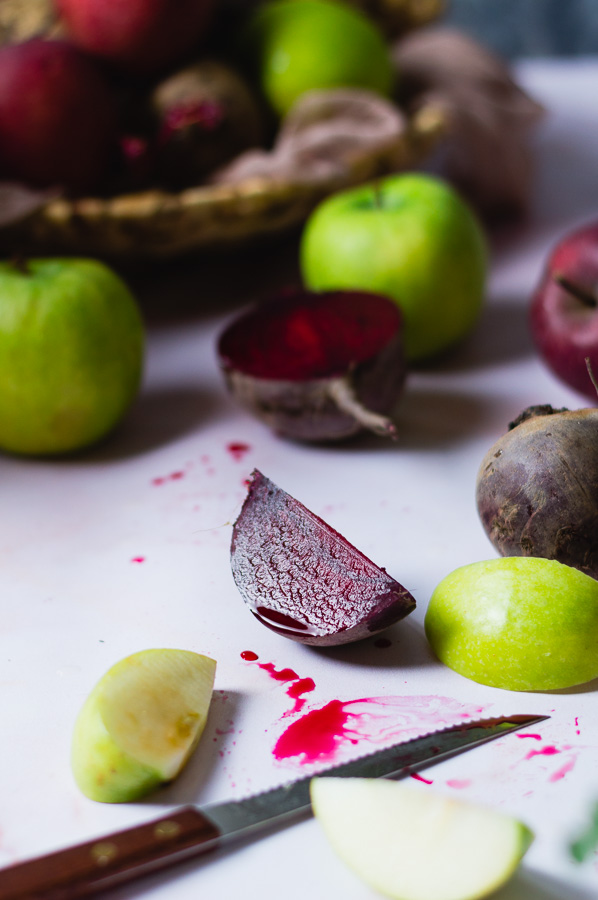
324 734
238 450
297 686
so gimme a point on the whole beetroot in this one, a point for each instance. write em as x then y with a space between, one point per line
537 488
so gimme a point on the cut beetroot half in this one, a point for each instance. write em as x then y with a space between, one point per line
318 367
302 578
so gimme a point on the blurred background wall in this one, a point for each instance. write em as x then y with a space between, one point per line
530 27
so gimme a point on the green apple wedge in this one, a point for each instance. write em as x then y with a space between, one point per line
294 46
141 723
411 844
411 237
519 623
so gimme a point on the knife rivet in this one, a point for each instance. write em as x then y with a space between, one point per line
104 852
165 830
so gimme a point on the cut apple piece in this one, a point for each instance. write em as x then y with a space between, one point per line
302 579
417 845
141 722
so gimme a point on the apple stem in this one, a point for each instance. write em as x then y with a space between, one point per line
585 296
591 373
343 393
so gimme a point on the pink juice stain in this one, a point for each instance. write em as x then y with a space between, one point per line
565 768
419 777
316 735
458 783
325 733
174 476
138 559
296 689
543 751
536 737
238 450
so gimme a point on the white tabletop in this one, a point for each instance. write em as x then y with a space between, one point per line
126 547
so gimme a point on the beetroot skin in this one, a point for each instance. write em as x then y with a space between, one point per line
302 579
537 488
317 366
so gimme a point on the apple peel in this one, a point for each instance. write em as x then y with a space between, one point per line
302 579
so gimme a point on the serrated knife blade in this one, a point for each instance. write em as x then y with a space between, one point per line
114 859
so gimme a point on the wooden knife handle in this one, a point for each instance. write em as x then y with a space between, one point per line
111 860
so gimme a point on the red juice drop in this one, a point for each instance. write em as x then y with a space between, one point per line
421 778
295 692
278 674
238 450
249 655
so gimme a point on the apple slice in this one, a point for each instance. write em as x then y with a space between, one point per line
141 722
302 579
416 845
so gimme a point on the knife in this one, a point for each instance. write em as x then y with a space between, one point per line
114 859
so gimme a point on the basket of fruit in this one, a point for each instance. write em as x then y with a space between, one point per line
163 128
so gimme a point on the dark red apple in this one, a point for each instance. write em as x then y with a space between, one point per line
143 36
564 309
57 116
304 580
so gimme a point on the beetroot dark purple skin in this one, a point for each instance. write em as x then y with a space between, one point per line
302 579
537 488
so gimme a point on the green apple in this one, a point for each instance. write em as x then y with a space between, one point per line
296 46
520 623
417 845
410 237
71 353
141 722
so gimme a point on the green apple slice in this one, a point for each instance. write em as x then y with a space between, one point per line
417 845
141 722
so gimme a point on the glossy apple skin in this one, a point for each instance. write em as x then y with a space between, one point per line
412 238
71 354
57 117
564 317
143 36
295 46
518 623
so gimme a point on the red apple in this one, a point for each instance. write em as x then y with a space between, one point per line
143 36
57 118
564 309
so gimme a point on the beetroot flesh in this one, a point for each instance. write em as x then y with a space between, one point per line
302 579
317 366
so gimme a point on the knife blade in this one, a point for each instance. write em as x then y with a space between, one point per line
122 856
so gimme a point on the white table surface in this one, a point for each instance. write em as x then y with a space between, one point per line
126 547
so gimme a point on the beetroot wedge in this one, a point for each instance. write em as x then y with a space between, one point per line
302 579
317 367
